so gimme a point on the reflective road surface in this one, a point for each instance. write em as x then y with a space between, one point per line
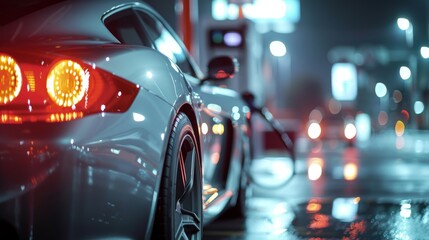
373 190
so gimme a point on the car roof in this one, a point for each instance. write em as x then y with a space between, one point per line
70 19
65 20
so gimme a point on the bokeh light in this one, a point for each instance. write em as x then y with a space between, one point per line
315 115
277 49
314 206
334 106
380 89
405 115
315 168
403 23
350 131
314 130
397 96
218 129
419 107
350 171
399 128
424 51
405 73
363 127
204 128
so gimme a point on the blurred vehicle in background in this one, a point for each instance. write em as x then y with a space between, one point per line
226 142
324 125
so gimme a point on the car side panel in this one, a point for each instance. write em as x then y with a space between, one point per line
101 173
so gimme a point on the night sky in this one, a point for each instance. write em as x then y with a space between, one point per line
328 23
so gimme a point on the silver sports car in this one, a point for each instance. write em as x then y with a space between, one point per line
108 129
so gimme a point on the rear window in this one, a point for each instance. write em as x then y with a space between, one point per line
12 10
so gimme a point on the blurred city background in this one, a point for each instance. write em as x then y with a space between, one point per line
357 57
349 81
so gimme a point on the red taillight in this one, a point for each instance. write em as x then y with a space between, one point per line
67 83
58 90
10 79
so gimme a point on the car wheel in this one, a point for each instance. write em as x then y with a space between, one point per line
179 209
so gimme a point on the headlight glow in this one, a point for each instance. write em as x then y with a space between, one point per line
314 130
350 131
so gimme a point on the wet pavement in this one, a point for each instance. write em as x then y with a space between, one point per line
377 190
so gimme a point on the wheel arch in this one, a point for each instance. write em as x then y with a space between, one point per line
190 113
187 110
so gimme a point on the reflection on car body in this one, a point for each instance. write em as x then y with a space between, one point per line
106 130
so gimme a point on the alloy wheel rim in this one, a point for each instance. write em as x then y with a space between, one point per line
188 212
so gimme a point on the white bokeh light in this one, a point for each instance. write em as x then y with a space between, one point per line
380 89
315 168
424 51
405 73
314 130
220 9
277 49
344 84
363 127
350 131
403 23
419 107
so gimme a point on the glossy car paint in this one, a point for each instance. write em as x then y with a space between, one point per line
98 176
81 178
226 158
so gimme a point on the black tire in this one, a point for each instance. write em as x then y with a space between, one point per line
179 209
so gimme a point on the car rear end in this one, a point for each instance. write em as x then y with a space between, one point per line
330 127
79 156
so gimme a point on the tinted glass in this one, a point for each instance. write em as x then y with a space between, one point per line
126 28
166 43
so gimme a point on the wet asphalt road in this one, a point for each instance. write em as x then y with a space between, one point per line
375 190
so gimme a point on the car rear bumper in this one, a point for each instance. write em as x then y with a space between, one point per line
95 177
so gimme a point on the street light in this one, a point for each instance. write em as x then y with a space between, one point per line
409 72
382 94
281 70
405 25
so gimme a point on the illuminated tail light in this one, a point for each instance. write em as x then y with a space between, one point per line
67 83
10 79
60 90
